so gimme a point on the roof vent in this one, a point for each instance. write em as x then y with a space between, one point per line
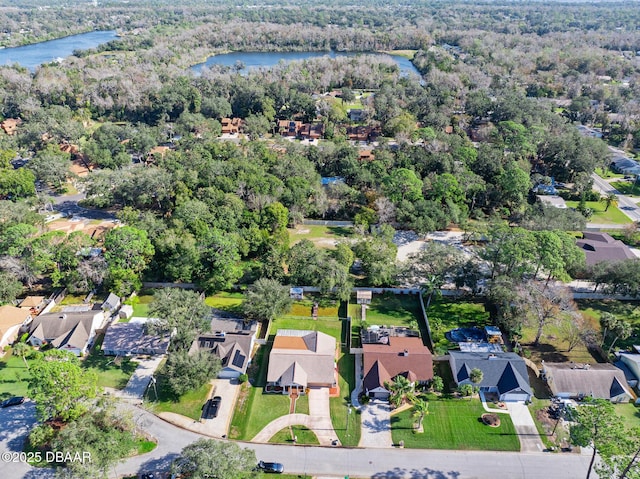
404 353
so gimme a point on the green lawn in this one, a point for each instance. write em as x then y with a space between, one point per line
612 216
141 305
630 413
255 410
302 309
390 309
113 372
446 314
303 435
455 424
332 327
626 310
189 404
626 187
321 236
225 301
13 376
608 173
347 426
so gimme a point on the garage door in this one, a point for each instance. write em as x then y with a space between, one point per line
515 397
226 374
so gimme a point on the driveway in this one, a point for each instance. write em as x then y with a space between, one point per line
218 426
137 385
375 425
525 427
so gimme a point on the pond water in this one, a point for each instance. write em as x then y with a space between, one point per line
253 60
31 56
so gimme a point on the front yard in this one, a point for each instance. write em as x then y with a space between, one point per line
189 404
612 216
454 424
113 372
13 376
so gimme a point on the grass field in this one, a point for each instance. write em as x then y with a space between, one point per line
332 327
141 305
626 187
112 372
455 424
225 301
608 173
303 435
13 376
390 309
321 236
346 425
624 310
446 314
189 404
302 308
612 216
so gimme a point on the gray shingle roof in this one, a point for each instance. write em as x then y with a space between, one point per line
505 371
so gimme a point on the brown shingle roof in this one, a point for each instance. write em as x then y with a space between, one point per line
602 381
599 247
406 356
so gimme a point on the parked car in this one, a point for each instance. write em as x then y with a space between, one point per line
14 401
211 408
270 467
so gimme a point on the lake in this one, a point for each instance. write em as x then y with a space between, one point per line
253 60
31 56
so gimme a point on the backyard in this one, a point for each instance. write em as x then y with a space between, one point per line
390 309
226 301
446 314
320 235
454 424
627 310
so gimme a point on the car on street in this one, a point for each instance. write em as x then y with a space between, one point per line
270 467
13 401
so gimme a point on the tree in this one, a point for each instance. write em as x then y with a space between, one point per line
186 372
437 384
622 330
545 304
10 288
476 376
107 434
621 458
403 184
128 252
402 390
594 423
60 387
420 410
23 350
182 310
610 199
206 459
377 255
51 165
266 299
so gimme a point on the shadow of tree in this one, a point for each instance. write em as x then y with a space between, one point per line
424 473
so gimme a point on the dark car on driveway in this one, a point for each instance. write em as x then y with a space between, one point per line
211 408
14 401
270 467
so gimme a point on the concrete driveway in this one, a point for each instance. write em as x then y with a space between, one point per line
525 427
228 390
375 425
137 385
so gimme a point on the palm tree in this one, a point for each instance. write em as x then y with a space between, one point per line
401 391
420 410
610 199
23 350
476 376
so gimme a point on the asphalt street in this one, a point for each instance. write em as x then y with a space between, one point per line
325 461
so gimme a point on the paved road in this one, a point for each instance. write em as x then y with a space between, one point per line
394 463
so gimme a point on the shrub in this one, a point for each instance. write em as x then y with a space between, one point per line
243 378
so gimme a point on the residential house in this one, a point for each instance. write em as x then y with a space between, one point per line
502 373
10 125
300 360
575 381
311 131
231 340
631 362
33 304
363 133
111 304
552 200
366 155
395 356
231 126
289 128
128 339
622 164
599 247
11 320
70 331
